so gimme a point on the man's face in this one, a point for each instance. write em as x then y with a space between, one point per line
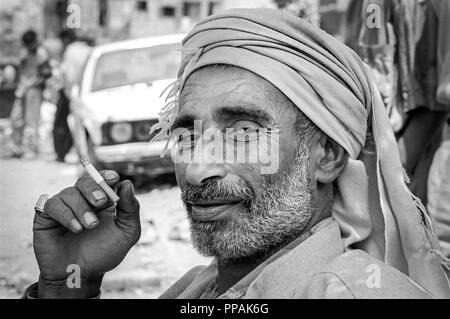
234 210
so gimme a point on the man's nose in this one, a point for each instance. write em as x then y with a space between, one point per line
205 166
199 173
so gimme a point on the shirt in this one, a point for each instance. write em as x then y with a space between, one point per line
318 268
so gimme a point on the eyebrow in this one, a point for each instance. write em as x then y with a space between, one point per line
185 121
248 112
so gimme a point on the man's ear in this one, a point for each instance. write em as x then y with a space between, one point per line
329 159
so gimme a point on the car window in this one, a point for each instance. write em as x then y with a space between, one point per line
133 66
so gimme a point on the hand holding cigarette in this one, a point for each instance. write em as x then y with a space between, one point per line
90 169
79 227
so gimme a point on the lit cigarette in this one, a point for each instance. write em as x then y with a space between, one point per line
90 169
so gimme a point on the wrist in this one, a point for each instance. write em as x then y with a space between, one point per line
59 289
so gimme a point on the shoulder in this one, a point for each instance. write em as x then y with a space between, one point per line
355 274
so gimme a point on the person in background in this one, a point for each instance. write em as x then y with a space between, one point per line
34 69
62 137
435 72
395 40
75 53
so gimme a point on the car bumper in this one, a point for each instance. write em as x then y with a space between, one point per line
135 158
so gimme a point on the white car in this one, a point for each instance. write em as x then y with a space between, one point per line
118 100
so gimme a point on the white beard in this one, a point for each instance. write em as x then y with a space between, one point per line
276 217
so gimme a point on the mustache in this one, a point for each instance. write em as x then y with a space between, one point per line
218 189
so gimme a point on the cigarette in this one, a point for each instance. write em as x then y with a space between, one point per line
90 169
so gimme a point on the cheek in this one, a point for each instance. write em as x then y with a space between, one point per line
250 173
288 151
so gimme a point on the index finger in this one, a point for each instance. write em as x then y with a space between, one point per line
92 192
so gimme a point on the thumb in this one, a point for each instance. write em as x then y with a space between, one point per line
128 207
43 222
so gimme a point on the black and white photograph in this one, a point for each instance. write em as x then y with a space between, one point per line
240 150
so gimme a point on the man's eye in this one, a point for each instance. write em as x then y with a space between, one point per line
243 134
187 140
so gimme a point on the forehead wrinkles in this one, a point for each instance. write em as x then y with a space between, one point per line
202 86
200 91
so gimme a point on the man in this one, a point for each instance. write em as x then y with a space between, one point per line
438 61
335 211
74 55
62 137
402 53
34 69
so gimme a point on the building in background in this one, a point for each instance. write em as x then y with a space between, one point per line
118 19
109 20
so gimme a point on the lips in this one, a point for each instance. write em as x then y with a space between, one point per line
213 210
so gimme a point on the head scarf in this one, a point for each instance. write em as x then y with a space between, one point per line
330 84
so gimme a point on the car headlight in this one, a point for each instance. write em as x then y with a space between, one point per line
142 131
121 132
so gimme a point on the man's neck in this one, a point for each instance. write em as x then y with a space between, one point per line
231 272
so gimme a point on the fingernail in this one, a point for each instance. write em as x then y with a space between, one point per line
90 219
75 225
98 195
110 175
127 187
131 188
